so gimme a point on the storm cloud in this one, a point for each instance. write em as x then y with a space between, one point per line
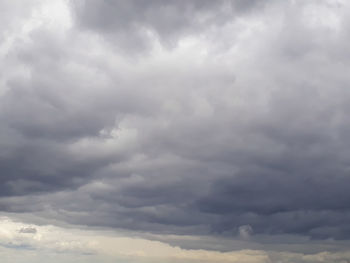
216 118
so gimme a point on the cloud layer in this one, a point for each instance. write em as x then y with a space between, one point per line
214 118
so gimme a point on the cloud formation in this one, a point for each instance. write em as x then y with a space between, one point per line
28 230
133 25
201 118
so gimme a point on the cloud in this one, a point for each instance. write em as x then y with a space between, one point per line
100 244
82 245
245 231
28 230
231 118
134 25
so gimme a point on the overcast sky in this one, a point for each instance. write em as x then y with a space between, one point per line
156 131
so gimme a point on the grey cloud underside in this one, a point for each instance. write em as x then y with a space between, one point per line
106 139
125 23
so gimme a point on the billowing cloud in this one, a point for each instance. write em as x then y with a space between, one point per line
133 25
215 119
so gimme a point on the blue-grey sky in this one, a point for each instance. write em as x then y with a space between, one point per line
175 131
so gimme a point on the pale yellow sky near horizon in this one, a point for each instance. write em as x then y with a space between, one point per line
59 244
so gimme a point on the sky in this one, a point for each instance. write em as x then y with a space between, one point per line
152 131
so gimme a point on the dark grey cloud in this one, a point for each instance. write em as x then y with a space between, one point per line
133 25
240 131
